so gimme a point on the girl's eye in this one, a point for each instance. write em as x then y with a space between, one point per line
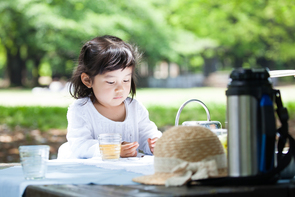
110 82
127 80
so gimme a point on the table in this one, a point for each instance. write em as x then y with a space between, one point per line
7 165
281 189
77 171
96 178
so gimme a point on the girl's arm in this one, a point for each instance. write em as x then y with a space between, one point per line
147 129
80 135
152 143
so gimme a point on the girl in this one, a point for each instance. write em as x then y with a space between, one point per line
101 84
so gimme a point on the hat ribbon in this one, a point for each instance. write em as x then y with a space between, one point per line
192 170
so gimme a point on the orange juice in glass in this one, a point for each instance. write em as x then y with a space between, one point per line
110 146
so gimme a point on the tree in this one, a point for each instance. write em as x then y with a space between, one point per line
27 34
249 33
38 33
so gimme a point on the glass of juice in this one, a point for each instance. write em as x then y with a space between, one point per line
110 146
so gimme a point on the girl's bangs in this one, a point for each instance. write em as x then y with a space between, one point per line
120 59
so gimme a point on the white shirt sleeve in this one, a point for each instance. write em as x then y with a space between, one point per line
80 133
147 129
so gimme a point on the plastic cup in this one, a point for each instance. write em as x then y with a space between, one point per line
219 132
222 135
34 161
110 146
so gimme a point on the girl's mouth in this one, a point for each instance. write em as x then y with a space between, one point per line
118 97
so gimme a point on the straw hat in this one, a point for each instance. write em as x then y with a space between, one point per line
186 153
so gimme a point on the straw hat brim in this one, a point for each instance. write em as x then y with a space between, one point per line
159 178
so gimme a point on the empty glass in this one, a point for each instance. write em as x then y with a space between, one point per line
34 161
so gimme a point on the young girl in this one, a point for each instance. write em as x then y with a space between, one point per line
101 84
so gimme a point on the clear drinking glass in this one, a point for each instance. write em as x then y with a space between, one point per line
110 146
34 161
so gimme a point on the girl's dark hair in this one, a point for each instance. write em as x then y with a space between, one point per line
100 55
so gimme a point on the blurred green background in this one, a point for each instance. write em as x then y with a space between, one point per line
43 38
189 48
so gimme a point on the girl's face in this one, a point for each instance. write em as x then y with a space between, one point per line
112 88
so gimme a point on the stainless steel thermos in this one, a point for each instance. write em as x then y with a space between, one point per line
251 122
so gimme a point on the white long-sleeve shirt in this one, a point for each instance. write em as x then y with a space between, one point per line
85 123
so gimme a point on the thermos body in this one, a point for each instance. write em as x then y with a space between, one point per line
243 137
251 123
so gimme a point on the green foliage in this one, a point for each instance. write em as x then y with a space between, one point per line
34 117
45 69
291 109
55 30
243 29
239 33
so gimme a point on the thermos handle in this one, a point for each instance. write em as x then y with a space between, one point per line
268 128
185 103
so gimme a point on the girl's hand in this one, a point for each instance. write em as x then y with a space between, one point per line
128 149
152 143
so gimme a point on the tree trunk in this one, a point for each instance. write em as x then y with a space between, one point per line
151 66
35 72
15 68
263 62
210 65
238 62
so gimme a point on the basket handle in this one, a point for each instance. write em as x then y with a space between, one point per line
185 103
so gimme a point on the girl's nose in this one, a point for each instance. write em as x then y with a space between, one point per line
119 88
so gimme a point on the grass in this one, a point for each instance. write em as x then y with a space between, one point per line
34 117
47 110
291 109
45 118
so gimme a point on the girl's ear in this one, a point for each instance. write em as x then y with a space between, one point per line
86 80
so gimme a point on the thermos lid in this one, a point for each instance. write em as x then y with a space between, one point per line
242 77
249 74
249 82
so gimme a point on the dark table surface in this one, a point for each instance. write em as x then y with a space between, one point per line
284 188
281 189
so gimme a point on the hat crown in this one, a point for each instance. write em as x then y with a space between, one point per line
189 143
184 153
